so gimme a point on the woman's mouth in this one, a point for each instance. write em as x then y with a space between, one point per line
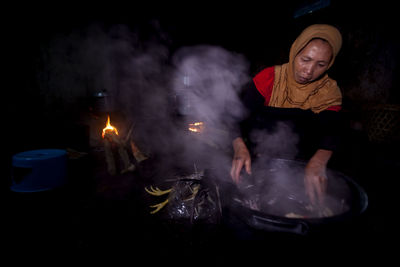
302 79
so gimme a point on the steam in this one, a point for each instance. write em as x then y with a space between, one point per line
206 84
160 92
208 79
154 88
200 84
280 142
278 189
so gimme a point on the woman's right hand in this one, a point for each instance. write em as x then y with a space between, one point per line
241 158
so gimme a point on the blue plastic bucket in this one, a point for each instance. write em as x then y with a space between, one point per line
39 170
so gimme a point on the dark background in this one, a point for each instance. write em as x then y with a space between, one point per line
262 31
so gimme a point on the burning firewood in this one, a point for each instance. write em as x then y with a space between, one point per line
208 135
197 127
111 140
109 157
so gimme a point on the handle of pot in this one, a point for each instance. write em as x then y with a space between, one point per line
270 224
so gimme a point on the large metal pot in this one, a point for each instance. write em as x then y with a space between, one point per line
273 199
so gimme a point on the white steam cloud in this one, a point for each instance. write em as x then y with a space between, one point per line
208 80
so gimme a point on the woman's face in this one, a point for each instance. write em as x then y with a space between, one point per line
312 61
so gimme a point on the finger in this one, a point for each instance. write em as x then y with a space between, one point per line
248 166
309 191
319 193
311 196
324 183
315 188
237 165
321 189
233 171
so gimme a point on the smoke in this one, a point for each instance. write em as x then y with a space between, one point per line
279 142
206 84
278 189
132 70
155 89
276 185
160 92
141 92
201 83
208 78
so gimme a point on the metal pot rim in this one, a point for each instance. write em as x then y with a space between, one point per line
357 208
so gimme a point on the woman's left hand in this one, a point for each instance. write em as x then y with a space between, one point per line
315 178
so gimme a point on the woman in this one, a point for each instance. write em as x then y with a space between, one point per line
299 88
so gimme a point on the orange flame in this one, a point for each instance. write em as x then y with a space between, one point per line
109 128
196 127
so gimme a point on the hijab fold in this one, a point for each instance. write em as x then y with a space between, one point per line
317 95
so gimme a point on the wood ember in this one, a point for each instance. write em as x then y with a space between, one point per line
115 146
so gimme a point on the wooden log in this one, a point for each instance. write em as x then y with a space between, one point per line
128 166
122 152
139 156
111 168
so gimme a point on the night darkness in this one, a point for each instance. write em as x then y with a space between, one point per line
42 110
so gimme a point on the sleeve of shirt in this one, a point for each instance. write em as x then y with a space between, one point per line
255 95
264 82
252 100
330 129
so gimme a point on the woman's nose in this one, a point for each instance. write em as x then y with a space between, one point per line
309 69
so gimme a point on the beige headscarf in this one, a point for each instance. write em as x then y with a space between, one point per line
317 95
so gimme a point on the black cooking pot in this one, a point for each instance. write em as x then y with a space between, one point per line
273 199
